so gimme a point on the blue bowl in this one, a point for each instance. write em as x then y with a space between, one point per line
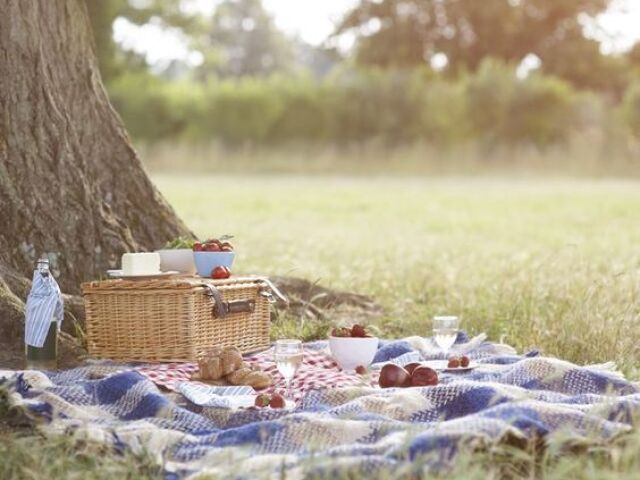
207 261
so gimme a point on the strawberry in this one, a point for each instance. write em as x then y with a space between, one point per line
340 332
197 247
358 331
277 401
361 370
211 247
262 400
226 247
464 361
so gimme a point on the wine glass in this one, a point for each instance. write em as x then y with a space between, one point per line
288 357
445 332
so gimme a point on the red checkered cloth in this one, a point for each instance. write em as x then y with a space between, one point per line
169 375
318 371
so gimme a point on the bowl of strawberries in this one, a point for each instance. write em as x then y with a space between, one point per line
214 258
352 347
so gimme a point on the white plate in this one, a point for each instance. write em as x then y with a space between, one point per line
441 366
249 401
288 405
149 276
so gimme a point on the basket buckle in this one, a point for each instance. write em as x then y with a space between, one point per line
240 306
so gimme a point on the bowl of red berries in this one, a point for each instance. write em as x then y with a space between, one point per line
214 258
352 347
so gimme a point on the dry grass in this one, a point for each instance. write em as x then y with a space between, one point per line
587 156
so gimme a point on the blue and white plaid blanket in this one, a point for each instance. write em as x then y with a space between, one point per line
354 429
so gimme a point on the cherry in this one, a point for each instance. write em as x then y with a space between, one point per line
464 361
361 370
197 247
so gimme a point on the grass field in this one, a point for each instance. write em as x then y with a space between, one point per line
545 264
553 265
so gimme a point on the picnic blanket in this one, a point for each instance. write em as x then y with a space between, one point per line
342 423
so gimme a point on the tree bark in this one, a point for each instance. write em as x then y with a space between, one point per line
71 184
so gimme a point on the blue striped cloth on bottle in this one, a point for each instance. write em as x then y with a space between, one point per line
44 305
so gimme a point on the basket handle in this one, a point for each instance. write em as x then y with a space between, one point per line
221 309
272 291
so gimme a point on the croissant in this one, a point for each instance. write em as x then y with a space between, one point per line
218 362
248 376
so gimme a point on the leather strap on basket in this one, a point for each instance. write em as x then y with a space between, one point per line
219 309
222 308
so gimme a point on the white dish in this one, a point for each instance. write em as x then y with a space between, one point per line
288 405
243 402
351 352
147 276
226 397
180 259
441 366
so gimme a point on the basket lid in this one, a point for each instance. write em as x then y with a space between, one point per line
171 283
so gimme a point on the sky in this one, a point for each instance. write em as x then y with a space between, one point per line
313 21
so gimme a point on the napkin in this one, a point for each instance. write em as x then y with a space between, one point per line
218 397
430 350
401 361
44 305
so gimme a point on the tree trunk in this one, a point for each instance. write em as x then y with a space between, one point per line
71 184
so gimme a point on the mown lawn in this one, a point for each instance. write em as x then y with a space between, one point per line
553 265
548 264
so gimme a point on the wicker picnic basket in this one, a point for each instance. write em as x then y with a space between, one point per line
174 320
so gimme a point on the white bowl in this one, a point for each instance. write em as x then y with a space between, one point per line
350 352
179 260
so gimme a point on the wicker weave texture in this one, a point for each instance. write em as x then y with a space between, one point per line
171 320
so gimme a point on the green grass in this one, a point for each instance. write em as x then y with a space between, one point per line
548 264
553 265
29 456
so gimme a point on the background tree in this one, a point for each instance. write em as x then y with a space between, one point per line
71 184
112 59
404 33
247 41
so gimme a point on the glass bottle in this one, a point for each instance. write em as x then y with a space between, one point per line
46 357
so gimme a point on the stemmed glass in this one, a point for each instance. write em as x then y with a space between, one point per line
445 332
288 357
